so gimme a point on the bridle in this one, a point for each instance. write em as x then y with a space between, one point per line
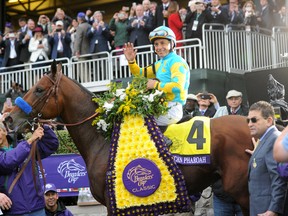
41 102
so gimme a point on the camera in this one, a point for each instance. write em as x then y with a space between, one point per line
58 30
40 42
205 96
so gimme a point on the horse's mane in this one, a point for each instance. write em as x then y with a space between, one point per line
78 84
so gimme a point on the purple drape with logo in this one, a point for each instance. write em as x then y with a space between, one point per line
68 173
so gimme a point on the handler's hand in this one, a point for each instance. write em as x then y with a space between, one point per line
255 144
5 202
37 134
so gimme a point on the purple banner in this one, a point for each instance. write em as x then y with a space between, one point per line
68 173
192 160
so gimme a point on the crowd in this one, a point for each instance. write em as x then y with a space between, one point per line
87 33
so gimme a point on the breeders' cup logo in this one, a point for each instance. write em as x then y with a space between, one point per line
71 170
141 177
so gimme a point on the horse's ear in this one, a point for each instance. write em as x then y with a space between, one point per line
59 68
54 67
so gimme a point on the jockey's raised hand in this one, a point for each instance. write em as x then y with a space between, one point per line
129 51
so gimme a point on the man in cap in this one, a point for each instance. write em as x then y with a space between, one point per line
235 106
60 42
223 203
191 105
53 206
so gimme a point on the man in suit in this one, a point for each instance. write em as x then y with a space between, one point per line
99 34
24 39
266 188
161 14
11 54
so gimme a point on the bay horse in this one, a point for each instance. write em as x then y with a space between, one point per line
57 95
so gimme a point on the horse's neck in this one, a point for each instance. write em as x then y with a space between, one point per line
85 136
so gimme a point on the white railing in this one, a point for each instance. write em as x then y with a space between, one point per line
225 48
94 71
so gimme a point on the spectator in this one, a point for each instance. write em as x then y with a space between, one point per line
235 106
22 22
139 27
250 18
223 203
208 104
24 39
192 5
153 6
217 14
44 22
175 22
81 40
281 17
72 31
280 151
235 15
12 51
25 198
53 206
60 15
161 14
60 41
38 46
266 18
146 7
191 106
195 20
169 78
119 24
266 188
99 34
81 46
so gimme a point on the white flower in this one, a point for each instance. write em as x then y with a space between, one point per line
119 92
157 92
108 106
101 124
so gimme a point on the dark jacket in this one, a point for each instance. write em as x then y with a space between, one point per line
24 196
60 211
65 39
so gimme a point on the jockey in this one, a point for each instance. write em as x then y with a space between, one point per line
169 74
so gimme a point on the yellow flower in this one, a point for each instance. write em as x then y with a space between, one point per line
138 144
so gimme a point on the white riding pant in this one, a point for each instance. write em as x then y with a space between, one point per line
175 114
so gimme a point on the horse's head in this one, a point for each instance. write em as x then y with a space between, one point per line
42 100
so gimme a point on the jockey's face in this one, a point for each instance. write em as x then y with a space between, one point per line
258 128
162 47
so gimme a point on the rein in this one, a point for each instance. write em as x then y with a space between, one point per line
33 155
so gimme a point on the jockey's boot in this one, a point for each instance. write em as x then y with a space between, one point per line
166 139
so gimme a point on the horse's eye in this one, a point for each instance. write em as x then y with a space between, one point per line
38 90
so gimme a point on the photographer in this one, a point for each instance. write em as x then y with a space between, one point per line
44 22
60 41
208 104
38 46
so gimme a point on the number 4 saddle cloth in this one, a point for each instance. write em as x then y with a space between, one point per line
191 141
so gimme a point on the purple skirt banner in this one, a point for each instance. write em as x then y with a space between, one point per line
68 173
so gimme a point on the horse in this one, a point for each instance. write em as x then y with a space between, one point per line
56 95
